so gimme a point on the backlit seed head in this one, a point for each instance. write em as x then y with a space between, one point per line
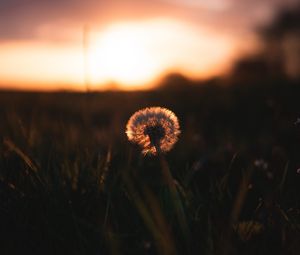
153 128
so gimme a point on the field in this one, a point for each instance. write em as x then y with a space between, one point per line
71 183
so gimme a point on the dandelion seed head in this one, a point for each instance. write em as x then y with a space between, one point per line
153 127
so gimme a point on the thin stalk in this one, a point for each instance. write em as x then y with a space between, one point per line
169 181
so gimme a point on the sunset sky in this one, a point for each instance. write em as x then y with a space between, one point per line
132 43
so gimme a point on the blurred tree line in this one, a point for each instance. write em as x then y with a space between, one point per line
276 61
279 57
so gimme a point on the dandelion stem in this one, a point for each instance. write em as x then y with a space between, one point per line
169 181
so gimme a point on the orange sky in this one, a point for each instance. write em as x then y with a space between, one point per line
130 43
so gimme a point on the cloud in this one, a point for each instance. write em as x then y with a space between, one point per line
52 19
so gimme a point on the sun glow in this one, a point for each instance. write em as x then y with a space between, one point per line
126 55
135 54
40 65
121 55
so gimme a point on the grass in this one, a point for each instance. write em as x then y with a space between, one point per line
71 183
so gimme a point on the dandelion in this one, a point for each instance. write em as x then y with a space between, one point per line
154 129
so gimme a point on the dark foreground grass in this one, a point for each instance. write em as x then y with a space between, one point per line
70 183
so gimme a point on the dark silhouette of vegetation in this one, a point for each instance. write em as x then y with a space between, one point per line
279 57
71 183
